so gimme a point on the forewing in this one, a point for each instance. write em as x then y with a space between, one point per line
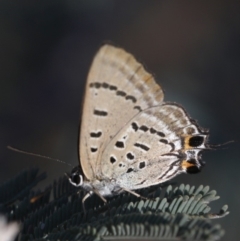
153 147
117 89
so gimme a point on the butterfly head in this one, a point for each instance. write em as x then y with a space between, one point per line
76 177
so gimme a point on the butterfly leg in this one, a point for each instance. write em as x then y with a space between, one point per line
90 194
97 193
84 199
136 194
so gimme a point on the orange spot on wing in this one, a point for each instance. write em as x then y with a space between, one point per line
186 142
186 164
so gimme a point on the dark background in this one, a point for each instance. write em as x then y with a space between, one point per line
46 48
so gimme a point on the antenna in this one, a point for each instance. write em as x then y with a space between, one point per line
37 155
215 146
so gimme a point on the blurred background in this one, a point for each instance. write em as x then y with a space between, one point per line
192 47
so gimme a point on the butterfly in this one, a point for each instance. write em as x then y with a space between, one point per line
129 137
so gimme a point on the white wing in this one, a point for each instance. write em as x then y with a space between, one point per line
117 89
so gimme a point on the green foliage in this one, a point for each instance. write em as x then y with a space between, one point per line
171 213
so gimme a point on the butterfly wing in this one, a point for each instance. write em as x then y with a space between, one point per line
156 145
117 89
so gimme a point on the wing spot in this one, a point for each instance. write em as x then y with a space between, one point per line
152 130
142 146
144 128
142 165
97 85
93 149
130 170
191 166
196 141
132 98
112 159
137 107
100 112
96 134
105 85
120 93
130 156
112 87
119 144
163 141
161 134
134 126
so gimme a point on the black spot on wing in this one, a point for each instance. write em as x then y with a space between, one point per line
129 169
153 131
121 93
142 146
137 107
144 128
100 112
96 85
193 170
130 156
196 141
105 85
195 167
93 149
134 126
119 144
163 141
161 134
112 87
95 134
132 98
142 165
112 159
